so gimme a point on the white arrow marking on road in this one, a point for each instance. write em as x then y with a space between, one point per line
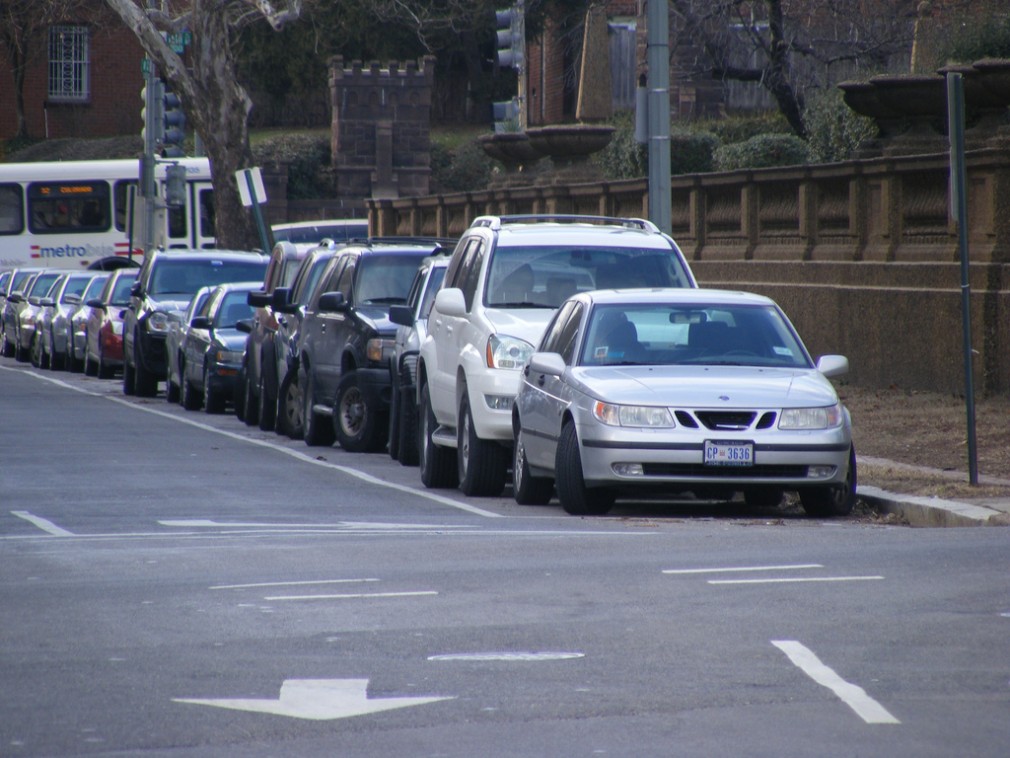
317 700
44 524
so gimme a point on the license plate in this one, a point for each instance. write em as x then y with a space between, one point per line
729 453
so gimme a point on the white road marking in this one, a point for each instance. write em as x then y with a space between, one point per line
797 580
732 569
364 525
508 657
351 596
44 524
854 696
288 584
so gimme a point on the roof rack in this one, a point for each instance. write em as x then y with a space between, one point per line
495 222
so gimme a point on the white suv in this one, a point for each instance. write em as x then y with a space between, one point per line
505 279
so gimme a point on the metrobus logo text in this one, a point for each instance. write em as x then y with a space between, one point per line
64 251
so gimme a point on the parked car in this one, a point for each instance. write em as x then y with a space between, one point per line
167 281
77 335
258 378
25 308
505 279
56 309
412 320
103 352
347 339
702 391
288 304
20 281
177 331
340 230
212 348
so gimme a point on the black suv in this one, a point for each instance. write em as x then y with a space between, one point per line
166 282
347 339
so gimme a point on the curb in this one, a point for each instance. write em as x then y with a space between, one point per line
931 511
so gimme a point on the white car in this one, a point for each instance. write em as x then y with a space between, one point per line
671 391
506 277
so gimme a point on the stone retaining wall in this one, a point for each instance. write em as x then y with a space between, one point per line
860 254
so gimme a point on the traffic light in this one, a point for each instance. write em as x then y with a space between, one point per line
506 115
175 185
173 125
511 36
151 113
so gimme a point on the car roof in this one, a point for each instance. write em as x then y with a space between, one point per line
680 295
590 231
219 254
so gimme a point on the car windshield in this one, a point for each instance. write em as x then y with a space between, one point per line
543 277
319 232
43 284
185 277
75 286
385 279
121 290
95 288
234 307
658 334
434 283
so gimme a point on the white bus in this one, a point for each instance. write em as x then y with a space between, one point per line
72 214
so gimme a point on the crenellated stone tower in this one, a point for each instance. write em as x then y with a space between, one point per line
380 133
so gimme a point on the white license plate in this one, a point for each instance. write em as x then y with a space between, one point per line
729 453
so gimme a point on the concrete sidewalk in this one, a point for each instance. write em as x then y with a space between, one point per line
921 511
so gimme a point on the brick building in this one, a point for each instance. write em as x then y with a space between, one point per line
82 79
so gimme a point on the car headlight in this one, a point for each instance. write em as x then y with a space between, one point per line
507 352
379 350
228 356
158 321
633 415
811 418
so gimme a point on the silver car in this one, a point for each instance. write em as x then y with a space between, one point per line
674 391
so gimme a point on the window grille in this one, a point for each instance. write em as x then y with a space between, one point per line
68 63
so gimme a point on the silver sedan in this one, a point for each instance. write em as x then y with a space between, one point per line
674 391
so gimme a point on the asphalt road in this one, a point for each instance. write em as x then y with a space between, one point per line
178 584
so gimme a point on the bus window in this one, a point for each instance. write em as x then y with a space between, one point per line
121 203
177 227
56 207
206 212
11 209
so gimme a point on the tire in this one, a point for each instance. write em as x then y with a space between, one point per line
8 348
266 408
315 432
90 367
129 377
357 426
575 497
289 407
250 404
105 371
240 393
762 498
21 355
407 429
483 464
833 500
73 365
191 399
526 488
145 384
438 464
214 400
172 391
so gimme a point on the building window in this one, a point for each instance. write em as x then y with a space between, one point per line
68 63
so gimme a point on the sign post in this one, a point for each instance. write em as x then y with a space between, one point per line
253 194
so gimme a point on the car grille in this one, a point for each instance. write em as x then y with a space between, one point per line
700 471
726 421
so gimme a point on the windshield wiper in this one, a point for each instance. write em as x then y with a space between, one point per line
385 301
522 304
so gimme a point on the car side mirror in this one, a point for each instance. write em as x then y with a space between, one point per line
280 298
450 302
833 365
258 299
136 290
551 364
332 301
402 315
244 325
46 302
201 322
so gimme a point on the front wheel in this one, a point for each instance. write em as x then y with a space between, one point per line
213 399
833 500
483 464
406 429
145 383
191 399
438 466
356 424
575 497
526 488
266 408
289 407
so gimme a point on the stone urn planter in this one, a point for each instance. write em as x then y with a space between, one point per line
921 99
510 148
994 78
568 144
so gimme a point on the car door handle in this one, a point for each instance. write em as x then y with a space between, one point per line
541 379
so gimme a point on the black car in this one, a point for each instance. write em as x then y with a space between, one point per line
167 281
347 340
212 348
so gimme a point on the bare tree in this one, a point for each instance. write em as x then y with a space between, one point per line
786 46
24 35
214 101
